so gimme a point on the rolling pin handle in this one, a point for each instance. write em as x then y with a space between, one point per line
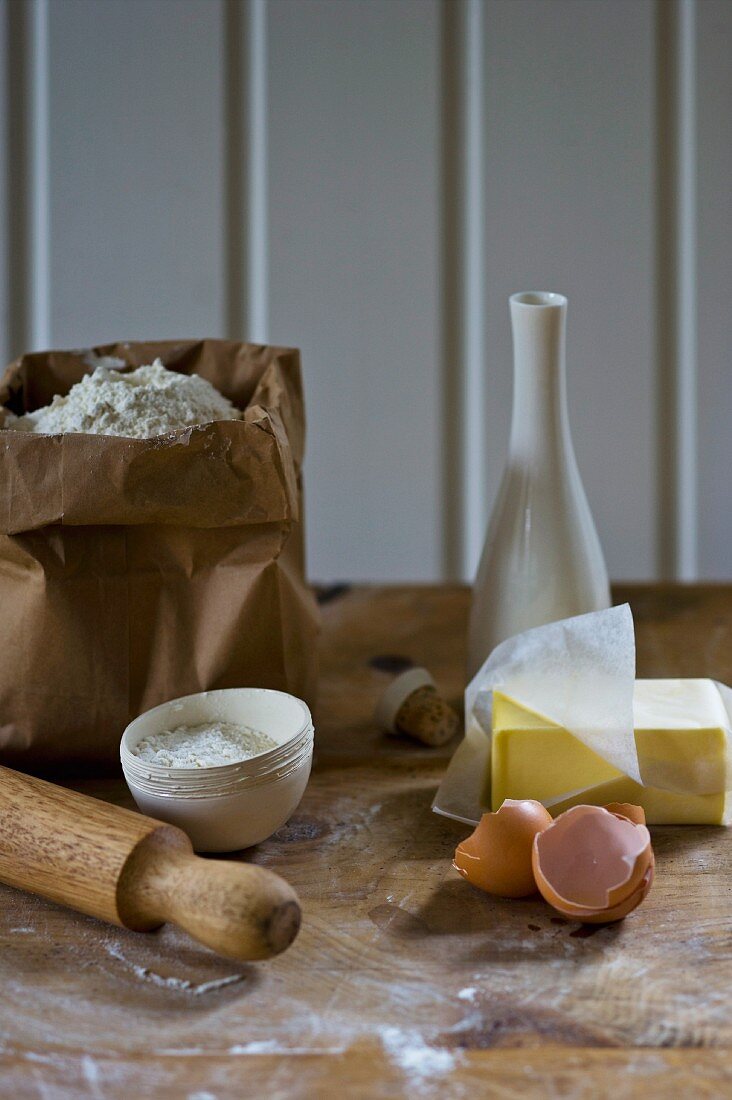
239 910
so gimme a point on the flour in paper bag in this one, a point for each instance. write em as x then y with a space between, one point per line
138 404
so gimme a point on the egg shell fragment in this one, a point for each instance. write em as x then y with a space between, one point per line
496 857
593 865
636 814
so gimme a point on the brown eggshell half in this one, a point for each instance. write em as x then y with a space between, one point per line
590 861
496 857
618 912
636 814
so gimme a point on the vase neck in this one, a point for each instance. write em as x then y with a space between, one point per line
539 424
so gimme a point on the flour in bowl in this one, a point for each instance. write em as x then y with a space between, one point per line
139 404
209 745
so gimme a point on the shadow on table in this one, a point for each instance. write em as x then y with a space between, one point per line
508 929
480 927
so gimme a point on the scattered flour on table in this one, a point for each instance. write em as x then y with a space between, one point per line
138 404
209 745
468 994
181 984
408 1050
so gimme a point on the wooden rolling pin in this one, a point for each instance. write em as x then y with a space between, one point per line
137 872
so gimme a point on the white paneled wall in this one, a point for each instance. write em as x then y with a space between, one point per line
136 149
569 162
370 180
714 284
354 208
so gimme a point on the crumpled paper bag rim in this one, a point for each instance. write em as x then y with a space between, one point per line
225 473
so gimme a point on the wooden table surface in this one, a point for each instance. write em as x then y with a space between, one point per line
404 981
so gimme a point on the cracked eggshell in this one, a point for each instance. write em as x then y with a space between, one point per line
620 911
593 865
496 857
636 814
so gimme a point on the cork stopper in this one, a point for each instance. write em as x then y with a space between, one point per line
413 706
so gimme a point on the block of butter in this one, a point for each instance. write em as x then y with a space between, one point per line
678 724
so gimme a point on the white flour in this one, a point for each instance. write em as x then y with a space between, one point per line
206 746
139 404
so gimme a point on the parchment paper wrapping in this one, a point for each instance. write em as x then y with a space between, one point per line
134 571
580 674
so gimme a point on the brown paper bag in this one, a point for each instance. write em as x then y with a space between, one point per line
133 571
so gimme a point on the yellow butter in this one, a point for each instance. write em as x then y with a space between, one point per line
675 721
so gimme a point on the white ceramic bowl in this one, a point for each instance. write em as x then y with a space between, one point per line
232 806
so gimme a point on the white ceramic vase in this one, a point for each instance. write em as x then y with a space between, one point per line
542 558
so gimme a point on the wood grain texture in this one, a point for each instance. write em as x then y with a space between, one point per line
69 848
404 980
